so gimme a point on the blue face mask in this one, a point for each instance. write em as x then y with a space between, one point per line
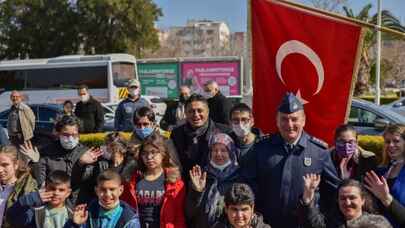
143 132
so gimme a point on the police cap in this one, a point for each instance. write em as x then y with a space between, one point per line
290 103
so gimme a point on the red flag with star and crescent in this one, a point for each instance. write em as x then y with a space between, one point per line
311 55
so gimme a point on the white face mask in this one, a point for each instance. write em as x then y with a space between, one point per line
105 207
68 143
220 167
241 130
133 92
85 98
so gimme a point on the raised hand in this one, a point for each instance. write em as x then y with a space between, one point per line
80 214
344 171
311 183
90 156
379 187
30 151
198 178
45 196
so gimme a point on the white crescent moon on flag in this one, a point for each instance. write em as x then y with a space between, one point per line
295 46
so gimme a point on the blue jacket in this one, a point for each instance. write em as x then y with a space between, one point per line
276 176
129 218
125 111
28 211
397 190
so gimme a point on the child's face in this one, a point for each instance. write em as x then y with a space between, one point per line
60 193
8 168
239 215
219 154
151 157
108 193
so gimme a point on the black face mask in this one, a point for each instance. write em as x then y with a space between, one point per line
183 98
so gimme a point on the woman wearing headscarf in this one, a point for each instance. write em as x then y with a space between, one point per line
205 199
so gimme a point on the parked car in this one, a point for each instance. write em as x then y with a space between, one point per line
371 119
397 106
45 116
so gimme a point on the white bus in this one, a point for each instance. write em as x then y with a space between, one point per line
55 80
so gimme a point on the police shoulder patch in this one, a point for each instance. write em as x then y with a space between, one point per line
319 142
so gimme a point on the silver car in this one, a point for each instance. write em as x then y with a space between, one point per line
371 119
397 106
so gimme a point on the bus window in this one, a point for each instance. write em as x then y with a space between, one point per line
11 80
55 78
122 73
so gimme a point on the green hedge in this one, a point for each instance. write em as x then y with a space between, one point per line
98 138
367 142
373 144
383 100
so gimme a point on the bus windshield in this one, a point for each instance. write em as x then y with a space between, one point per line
122 73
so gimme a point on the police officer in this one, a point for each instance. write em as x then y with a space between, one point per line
126 108
281 162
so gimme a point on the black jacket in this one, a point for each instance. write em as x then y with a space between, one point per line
197 155
397 211
55 157
91 115
257 222
247 156
197 202
219 106
367 161
85 177
169 118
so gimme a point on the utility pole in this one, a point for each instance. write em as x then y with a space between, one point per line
378 64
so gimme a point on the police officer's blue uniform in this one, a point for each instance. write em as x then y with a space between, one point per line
277 173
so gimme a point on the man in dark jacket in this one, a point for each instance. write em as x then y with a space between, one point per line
282 160
191 139
218 104
244 134
175 112
89 111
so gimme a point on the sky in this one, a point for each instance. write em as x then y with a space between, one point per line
234 12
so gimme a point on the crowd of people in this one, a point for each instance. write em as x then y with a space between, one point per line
215 170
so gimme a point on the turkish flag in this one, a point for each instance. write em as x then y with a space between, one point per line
303 52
